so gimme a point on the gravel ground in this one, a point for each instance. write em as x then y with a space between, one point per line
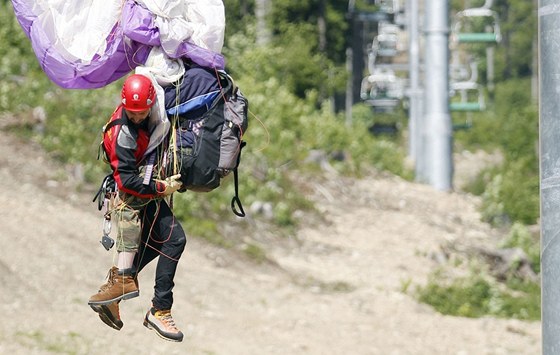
339 290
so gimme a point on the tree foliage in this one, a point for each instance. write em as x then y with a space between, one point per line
519 25
297 57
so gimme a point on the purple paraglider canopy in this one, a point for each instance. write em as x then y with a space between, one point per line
127 34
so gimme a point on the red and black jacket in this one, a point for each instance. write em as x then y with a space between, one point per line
125 144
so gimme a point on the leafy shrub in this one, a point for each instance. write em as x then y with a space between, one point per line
22 83
74 122
512 195
520 237
520 192
512 190
476 296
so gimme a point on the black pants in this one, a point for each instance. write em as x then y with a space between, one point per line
163 236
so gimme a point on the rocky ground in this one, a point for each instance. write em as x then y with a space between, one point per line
337 290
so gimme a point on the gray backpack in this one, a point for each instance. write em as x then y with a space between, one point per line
209 147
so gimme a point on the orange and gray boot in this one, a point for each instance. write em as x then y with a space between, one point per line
122 285
162 322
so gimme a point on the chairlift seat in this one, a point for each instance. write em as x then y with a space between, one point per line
385 28
477 12
382 102
488 37
462 126
465 85
466 106
379 128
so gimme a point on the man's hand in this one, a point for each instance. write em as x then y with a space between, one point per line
168 186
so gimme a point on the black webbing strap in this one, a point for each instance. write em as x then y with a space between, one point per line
235 201
106 128
107 187
113 123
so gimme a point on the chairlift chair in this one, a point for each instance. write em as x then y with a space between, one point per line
460 72
386 45
387 28
471 97
398 6
372 56
387 6
490 34
382 89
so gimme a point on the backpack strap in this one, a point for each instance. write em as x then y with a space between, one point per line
235 201
113 123
227 86
106 128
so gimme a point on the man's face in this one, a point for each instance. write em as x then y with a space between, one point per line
137 117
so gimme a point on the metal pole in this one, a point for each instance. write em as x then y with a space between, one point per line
437 117
358 64
261 11
535 61
490 67
415 91
349 87
349 67
549 144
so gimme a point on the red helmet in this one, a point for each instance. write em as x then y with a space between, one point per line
138 93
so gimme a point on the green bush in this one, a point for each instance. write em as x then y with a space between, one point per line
520 191
520 237
512 194
511 191
476 297
22 83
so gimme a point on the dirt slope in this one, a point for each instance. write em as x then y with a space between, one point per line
338 291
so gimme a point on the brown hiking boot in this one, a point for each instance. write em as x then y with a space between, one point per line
109 314
120 286
162 322
113 272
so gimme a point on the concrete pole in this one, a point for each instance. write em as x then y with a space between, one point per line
549 144
436 114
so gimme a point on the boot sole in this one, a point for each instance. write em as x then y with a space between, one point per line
107 317
150 326
126 296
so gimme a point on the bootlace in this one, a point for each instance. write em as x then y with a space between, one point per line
110 280
165 317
